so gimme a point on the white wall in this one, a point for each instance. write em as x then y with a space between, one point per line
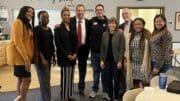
171 6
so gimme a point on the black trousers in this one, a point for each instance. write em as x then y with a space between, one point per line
112 79
82 54
123 80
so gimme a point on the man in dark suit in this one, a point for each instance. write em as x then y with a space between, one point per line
79 25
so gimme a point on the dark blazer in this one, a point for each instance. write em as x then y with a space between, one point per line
121 26
74 31
118 46
65 44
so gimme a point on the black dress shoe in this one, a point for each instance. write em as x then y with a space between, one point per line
81 93
71 99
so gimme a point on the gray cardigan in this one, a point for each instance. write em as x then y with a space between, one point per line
118 46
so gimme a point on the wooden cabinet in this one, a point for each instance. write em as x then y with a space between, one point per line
3 58
2 53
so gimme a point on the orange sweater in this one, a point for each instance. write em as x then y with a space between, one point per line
21 46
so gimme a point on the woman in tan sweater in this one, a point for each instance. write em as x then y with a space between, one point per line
21 49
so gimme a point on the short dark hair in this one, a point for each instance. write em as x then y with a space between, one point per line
113 19
22 16
64 9
101 5
80 5
163 18
40 12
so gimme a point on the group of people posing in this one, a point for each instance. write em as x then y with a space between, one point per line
124 56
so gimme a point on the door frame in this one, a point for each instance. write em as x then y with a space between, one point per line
162 9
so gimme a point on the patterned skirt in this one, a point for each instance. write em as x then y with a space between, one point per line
137 73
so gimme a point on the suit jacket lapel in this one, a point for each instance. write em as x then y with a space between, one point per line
107 40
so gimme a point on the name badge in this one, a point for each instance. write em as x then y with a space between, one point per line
95 23
104 25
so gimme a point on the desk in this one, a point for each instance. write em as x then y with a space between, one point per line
156 94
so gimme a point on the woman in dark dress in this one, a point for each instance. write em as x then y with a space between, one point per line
66 54
45 52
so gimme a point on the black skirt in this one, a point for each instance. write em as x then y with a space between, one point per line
19 71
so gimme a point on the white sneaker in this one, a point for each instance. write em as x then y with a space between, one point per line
106 96
18 98
93 94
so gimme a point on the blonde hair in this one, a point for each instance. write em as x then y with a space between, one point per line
65 8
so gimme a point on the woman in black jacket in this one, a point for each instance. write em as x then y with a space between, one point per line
46 50
66 54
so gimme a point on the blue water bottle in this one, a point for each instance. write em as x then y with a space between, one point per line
162 80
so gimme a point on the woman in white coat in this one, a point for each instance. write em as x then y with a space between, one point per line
137 54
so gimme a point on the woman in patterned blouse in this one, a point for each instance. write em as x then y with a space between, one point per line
161 42
138 54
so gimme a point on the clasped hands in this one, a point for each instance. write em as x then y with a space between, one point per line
72 57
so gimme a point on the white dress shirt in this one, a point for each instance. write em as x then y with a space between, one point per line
127 27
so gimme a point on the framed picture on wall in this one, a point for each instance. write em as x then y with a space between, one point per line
177 21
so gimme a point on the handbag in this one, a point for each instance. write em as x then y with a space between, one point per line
174 87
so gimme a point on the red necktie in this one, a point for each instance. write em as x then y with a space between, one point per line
79 31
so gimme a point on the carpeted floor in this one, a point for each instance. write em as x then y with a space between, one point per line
33 94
